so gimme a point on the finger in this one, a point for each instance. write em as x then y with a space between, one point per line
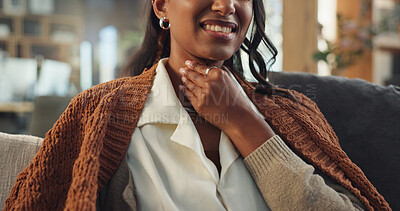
188 94
193 76
200 68
194 88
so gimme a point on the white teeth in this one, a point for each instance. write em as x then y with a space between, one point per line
224 29
212 28
217 28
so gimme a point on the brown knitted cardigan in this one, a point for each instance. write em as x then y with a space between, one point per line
86 145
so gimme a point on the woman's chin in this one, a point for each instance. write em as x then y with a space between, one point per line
218 56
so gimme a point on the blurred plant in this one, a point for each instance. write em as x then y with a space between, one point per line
390 20
354 39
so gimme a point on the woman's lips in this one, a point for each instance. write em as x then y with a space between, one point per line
219 29
219 35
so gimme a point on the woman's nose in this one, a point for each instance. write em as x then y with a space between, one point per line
223 7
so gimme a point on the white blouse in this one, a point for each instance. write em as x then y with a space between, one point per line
169 165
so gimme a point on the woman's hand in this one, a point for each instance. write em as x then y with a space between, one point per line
215 96
217 99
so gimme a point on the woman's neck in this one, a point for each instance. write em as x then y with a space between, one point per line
175 63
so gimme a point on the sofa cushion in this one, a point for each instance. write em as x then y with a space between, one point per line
366 119
16 151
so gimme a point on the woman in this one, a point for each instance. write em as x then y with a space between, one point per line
137 143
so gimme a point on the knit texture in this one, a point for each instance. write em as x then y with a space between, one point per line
302 125
86 145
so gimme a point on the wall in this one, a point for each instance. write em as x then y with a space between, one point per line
363 67
300 31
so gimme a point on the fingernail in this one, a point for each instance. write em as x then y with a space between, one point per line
182 71
184 79
189 63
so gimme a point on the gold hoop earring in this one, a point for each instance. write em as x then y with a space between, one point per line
162 23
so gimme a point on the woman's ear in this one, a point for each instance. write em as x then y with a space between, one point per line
160 8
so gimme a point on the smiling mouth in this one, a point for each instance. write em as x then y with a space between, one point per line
218 28
223 29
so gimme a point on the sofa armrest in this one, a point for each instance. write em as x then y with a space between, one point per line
16 151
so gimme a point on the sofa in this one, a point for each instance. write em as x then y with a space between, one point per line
366 118
15 153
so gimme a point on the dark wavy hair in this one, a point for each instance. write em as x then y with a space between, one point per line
156 45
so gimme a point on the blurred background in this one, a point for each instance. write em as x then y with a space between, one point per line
50 50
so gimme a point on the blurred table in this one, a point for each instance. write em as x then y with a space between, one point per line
16 107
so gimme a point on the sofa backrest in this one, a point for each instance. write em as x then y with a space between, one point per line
16 152
366 119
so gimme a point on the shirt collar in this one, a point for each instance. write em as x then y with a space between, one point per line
228 153
162 104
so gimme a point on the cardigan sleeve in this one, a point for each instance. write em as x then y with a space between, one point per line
49 173
288 183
